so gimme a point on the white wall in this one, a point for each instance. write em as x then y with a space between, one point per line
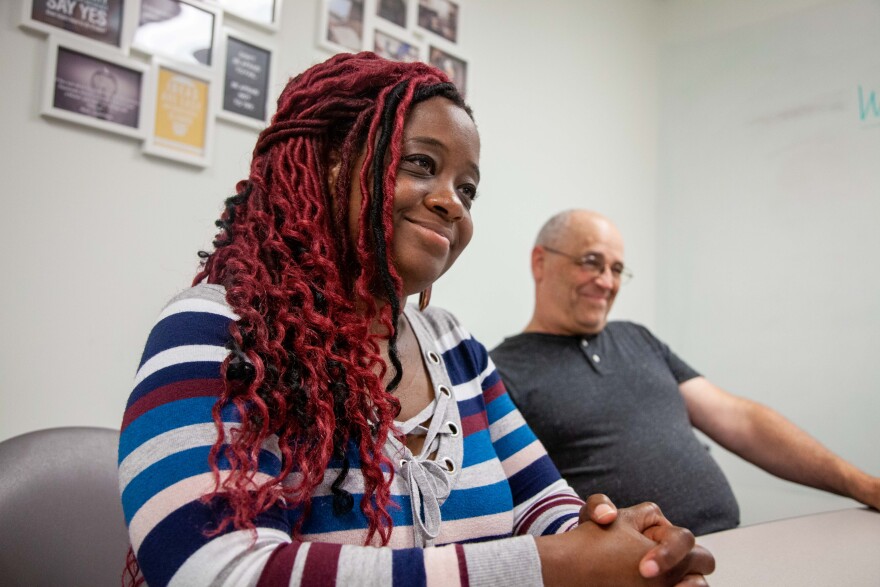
770 196
565 98
97 237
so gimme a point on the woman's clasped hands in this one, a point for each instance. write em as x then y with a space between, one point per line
630 546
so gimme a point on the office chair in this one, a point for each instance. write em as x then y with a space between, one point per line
61 519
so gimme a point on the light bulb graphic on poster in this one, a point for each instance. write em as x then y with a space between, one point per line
95 88
181 112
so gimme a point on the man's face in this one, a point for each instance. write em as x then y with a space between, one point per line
572 298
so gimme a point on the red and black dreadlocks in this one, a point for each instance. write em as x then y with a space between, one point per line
303 364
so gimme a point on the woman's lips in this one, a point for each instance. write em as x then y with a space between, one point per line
433 230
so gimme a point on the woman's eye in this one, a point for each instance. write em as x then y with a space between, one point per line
469 191
421 161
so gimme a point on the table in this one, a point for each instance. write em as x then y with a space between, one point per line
833 548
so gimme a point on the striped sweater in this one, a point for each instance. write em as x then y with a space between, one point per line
468 521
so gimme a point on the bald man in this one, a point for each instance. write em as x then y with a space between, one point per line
615 407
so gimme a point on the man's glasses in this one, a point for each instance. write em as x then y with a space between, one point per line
594 264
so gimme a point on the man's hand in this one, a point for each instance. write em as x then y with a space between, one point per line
867 490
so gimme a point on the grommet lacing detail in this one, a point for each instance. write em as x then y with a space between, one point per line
433 357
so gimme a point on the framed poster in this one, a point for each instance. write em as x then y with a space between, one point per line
342 25
94 87
247 77
455 67
394 11
439 17
183 30
263 13
397 45
97 20
178 99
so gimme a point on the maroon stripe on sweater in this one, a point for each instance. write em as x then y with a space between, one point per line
494 392
279 566
474 423
462 566
168 393
541 507
321 564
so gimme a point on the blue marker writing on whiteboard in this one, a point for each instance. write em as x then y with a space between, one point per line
868 108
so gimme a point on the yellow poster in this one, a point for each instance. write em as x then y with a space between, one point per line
181 112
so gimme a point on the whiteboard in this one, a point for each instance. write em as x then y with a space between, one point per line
769 246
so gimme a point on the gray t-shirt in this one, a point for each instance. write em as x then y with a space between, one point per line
609 412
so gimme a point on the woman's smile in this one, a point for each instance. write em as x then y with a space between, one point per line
434 232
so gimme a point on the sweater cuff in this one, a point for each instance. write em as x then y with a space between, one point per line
513 561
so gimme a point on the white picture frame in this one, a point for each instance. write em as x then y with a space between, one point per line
247 85
91 85
265 14
342 25
180 104
107 27
182 38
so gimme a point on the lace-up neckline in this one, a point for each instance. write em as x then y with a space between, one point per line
430 474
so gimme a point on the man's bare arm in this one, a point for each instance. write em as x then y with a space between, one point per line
765 438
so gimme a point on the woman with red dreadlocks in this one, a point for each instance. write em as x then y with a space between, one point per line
292 423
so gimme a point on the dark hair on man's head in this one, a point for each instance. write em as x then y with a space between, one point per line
304 366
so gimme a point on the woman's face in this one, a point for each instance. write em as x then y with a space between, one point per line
436 183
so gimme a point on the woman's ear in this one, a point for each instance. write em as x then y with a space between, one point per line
334 164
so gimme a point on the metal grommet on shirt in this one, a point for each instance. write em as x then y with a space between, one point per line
444 390
450 465
433 357
596 358
453 429
402 463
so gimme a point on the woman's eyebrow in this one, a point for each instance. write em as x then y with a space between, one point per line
427 141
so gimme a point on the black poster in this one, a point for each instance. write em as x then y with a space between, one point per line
247 79
99 20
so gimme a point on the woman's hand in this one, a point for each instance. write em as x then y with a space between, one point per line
633 546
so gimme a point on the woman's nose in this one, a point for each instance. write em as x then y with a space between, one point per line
447 203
